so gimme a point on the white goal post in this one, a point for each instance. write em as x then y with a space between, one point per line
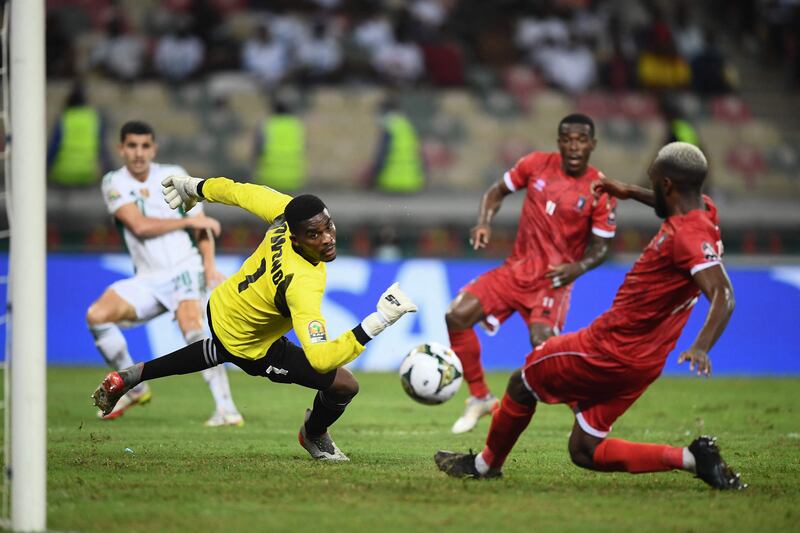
27 221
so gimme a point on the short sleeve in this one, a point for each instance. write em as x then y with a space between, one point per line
711 208
520 174
115 195
696 250
196 211
604 217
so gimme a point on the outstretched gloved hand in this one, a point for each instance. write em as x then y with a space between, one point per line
181 190
392 305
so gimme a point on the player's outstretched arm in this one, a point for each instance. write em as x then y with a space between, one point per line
263 202
324 355
181 191
622 190
145 227
491 201
716 286
564 274
392 305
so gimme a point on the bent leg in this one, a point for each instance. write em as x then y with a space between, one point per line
190 318
589 448
617 455
464 312
102 318
582 447
286 362
329 404
540 332
110 307
546 316
516 410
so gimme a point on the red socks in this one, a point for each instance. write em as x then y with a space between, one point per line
616 455
508 423
611 455
466 345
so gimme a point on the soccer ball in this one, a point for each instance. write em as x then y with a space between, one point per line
431 373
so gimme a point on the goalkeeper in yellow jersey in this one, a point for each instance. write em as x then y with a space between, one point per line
278 288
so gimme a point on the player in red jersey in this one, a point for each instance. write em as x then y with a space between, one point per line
601 370
563 231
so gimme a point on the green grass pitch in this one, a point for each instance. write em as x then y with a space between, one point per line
184 477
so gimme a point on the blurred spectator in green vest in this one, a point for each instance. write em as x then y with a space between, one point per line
281 149
398 165
679 129
76 156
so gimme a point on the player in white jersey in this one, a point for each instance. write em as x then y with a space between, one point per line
173 258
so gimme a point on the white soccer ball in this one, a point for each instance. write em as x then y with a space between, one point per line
431 373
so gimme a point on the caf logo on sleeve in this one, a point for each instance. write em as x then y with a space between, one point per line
316 332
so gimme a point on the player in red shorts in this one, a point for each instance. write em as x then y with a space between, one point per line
563 231
602 369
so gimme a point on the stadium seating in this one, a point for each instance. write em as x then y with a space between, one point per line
468 140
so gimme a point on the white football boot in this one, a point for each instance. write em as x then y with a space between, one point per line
224 418
322 447
476 408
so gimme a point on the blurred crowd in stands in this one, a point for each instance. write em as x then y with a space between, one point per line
648 71
573 45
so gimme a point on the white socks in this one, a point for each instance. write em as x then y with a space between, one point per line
216 377
480 465
688 461
112 345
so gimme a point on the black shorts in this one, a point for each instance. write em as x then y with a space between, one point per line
284 362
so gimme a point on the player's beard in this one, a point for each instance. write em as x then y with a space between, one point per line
660 202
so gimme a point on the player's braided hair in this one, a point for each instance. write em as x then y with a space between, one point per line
685 165
302 208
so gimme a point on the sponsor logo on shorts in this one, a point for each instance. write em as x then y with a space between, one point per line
316 332
275 370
